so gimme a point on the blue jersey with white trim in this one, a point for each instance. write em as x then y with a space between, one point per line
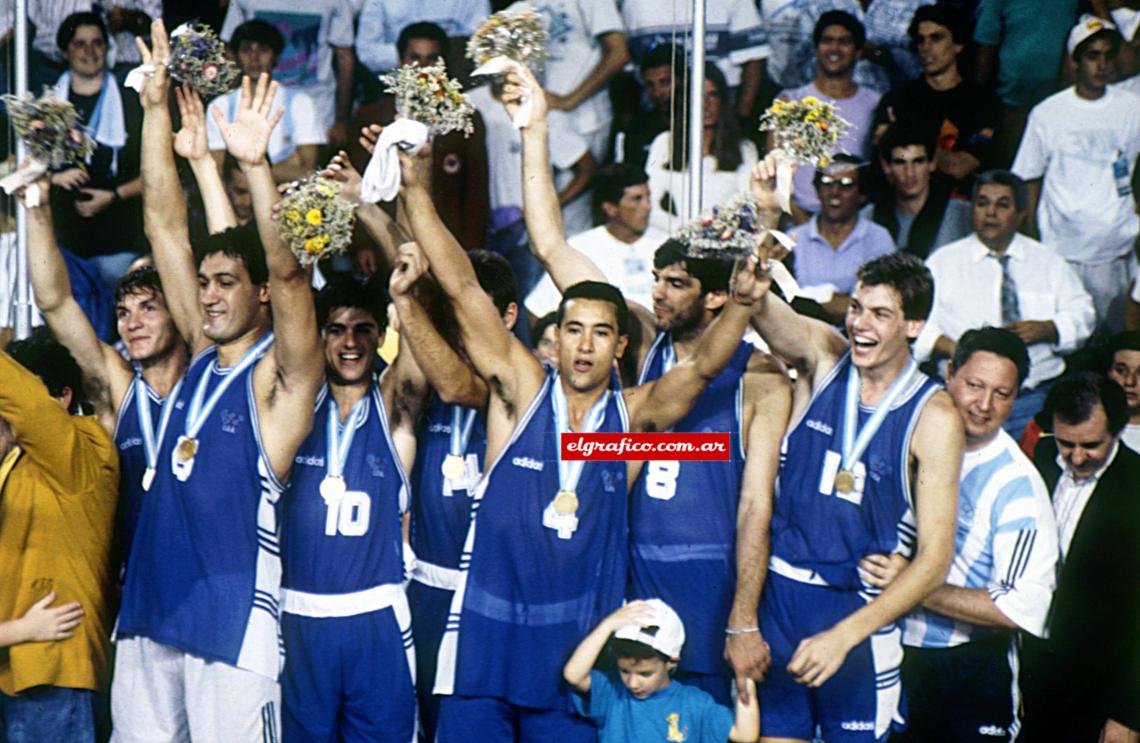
441 516
132 465
205 570
527 596
356 543
683 518
817 528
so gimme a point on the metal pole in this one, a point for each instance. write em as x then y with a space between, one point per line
697 111
23 295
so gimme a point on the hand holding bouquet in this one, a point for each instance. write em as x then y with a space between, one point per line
315 221
807 133
429 96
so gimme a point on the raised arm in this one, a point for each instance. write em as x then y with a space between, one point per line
380 227
190 143
576 672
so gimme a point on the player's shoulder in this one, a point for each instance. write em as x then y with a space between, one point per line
939 422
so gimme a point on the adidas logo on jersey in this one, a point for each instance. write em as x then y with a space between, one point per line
527 463
439 428
820 426
857 725
312 461
995 730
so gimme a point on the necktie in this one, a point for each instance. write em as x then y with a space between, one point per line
1010 310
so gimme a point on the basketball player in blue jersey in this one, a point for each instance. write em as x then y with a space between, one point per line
545 553
870 462
198 642
685 516
127 395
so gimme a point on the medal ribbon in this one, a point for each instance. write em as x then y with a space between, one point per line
152 444
570 472
338 447
198 412
854 446
460 430
668 356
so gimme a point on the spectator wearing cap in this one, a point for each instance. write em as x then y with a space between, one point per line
661 66
1124 369
1078 156
838 239
964 115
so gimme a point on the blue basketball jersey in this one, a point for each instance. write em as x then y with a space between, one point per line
132 465
205 570
441 512
529 593
356 543
815 527
683 517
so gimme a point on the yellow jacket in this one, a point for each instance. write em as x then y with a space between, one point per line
58 491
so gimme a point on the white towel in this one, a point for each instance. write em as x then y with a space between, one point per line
381 179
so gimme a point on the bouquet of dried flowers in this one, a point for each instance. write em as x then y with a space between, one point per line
51 129
429 96
315 221
519 35
733 229
198 59
807 130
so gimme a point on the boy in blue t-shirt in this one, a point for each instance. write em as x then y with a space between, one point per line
646 706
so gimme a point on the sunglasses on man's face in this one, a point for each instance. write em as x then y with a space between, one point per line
843 181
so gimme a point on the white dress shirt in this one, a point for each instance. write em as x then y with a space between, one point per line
1071 496
967 295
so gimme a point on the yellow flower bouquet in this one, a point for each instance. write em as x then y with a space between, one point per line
315 221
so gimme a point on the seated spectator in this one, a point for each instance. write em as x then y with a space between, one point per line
382 21
125 19
59 474
97 207
1078 154
295 142
917 210
726 166
1001 278
543 334
459 162
659 69
838 41
964 115
1124 369
622 247
735 40
237 189
316 32
835 242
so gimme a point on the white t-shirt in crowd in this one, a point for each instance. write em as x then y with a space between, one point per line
300 124
628 266
381 22
1072 143
8 256
504 148
574 51
1131 436
734 33
719 185
311 30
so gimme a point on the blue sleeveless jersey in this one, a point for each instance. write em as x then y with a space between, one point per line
205 570
814 527
366 546
439 521
132 465
683 518
526 597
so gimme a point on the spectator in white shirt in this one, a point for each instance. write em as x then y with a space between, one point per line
1124 369
998 277
382 20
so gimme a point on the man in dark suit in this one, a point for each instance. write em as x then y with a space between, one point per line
1083 683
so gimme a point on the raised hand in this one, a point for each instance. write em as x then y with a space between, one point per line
749 282
521 85
247 136
340 170
156 88
190 140
762 184
369 136
415 170
410 265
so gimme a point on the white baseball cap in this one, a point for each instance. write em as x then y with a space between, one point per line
665 633
1087 26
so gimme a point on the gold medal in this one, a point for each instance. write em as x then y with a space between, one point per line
187 448
452 467
566 503
844 482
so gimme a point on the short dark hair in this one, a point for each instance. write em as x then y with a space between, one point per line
143 280
540 326
1105 33
1003 178
839 18
421 30
663 55
260 32
906 274
342 291
944 15
599 291
1128 340
905 135
71 24
998 341
494 274
634 650
842 158
713 274
1075 396
610 183
49 360
239 243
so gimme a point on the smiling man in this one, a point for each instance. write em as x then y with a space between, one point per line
1001 278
